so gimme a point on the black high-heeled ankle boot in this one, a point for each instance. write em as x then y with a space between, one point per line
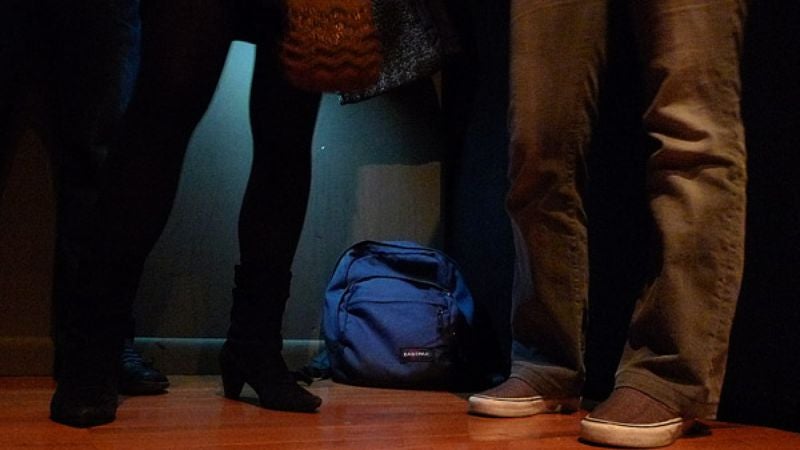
252 352
266 372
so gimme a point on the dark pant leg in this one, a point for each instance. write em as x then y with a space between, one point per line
17 57
94 54
184 44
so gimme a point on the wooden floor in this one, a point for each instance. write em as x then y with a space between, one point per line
195 415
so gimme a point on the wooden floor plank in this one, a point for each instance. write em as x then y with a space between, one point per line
195 415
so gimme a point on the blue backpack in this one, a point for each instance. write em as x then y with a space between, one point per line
397 314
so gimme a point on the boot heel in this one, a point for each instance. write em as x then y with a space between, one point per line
232 378
232 386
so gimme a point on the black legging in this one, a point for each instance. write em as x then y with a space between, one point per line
184 47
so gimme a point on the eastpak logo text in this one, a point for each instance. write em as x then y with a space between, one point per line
416 354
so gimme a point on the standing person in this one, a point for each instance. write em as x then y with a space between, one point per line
67 70
672 367
184 47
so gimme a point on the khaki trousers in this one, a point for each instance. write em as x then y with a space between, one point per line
678 338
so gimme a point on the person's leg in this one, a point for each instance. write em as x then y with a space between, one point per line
554 88
184 45
675 356
270 222
18 55
92 75
678 341
282 120
137 376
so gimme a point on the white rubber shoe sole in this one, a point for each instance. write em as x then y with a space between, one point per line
633 435
491 406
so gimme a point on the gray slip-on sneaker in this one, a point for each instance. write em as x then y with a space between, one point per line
631 418
516 398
